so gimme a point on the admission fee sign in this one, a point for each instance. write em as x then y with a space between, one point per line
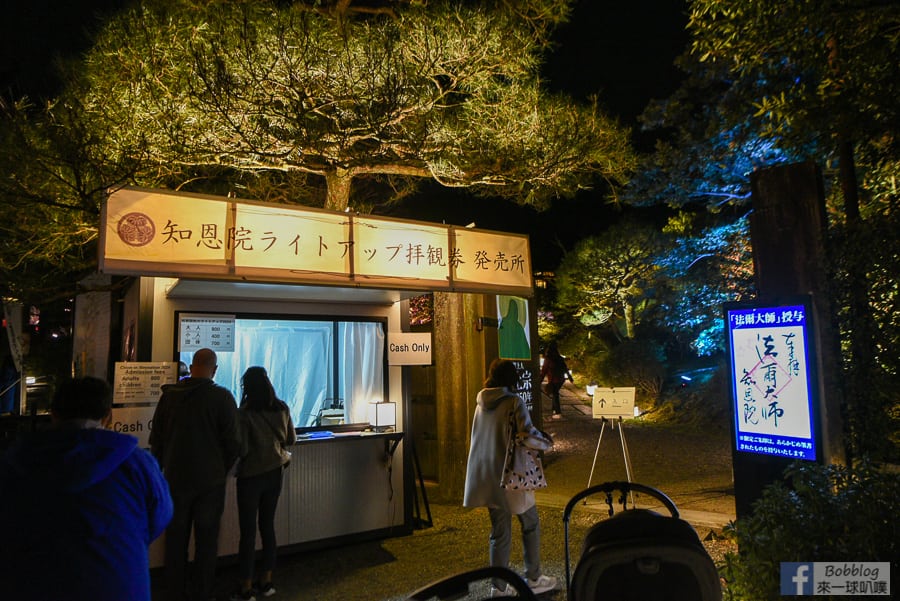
136 391
772 386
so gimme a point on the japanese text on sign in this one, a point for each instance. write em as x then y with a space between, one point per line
214 332
771 385
170 234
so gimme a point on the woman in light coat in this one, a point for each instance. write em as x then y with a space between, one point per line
487 454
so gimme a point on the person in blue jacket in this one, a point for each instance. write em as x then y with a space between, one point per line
79 505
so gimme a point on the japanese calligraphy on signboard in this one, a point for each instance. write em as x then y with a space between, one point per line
163 233
526 378
771 383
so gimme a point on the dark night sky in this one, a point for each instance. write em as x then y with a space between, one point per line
621 51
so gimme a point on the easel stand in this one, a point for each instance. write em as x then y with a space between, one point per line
625 454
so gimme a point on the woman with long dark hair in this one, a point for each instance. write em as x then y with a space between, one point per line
497 404
266 431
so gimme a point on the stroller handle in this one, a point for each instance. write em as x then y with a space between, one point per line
608 488
625 487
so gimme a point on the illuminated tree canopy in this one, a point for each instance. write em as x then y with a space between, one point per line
335 104
611 276
771 82
296 96
54 174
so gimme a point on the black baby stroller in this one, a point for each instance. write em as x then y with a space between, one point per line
639 554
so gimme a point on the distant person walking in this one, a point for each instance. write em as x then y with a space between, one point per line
555 371
487 454
195 436
266 432
79 506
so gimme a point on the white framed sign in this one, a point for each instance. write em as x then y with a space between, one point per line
197 331
137 421
177 234
138 383
613 402
773 391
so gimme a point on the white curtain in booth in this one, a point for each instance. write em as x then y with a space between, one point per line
361 374
299 358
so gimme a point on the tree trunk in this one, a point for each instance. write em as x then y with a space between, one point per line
459 361
629 318
862 409
338 184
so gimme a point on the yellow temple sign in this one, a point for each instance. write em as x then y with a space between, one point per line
156 232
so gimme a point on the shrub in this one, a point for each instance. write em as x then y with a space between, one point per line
704 403
637 363
828 513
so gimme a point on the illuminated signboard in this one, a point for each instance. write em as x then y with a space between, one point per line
156 232
773 396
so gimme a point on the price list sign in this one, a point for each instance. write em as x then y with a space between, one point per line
139 383
214 332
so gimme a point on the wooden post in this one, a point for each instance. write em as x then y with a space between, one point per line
787 232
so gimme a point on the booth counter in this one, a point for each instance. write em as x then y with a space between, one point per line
335 488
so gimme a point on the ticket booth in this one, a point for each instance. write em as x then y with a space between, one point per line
315 297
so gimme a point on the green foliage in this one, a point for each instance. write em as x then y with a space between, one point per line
611 276
819 68
444 90
304 102
55 175
872 415
769 82
826 513
703 403
639 363
710 263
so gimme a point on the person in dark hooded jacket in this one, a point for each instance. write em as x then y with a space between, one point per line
196 439
79 506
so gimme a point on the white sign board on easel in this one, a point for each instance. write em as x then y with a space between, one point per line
613 402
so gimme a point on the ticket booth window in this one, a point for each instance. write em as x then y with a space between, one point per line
327 371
